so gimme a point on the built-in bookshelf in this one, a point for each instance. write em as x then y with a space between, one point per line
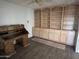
56 24
55 18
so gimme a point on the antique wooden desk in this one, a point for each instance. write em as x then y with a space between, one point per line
10 36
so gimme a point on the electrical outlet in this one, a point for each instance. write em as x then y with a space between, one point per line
27 21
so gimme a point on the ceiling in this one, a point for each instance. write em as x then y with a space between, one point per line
45 3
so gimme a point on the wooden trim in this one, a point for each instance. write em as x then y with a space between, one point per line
8 56
63 8
49 43
49 19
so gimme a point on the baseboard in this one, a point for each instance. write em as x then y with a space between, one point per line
50 43
27 45
31 37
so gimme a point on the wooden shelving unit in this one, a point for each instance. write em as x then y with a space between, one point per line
56 23
55 18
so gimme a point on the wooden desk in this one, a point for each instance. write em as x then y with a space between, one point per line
11 34
10 41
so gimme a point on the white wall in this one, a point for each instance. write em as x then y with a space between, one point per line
15 14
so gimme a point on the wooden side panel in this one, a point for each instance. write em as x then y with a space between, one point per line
37 18
55 17
44 33
45 17
52 34
36 32
25 40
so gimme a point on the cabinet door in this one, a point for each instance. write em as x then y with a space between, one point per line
45 17
36 32
57 36
37 18
55 17
52 34
63 37
70 38
44 33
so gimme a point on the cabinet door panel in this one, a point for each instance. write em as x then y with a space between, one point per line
70 38
36 32
57 35
44 33
63 37
52 34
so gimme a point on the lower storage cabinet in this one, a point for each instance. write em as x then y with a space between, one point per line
59 36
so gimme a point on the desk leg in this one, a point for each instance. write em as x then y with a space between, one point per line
25 40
